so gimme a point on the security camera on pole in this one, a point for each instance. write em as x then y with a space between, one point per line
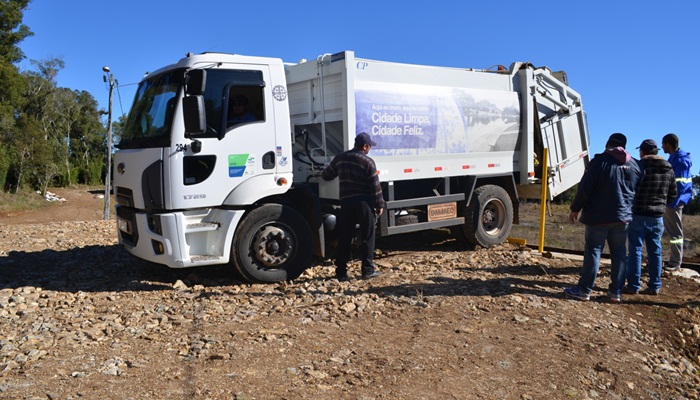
109 78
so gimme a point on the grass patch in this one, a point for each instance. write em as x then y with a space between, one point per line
24 200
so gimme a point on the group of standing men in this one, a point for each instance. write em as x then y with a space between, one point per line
622 199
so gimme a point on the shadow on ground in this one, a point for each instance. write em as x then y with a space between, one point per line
100 268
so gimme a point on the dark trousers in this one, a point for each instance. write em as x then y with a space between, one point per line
355 212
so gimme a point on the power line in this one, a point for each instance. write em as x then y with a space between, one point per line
119 94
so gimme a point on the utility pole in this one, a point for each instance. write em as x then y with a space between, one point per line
109 78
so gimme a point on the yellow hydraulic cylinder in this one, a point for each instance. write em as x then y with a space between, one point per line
543 200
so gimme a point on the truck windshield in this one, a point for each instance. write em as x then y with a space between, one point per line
151 115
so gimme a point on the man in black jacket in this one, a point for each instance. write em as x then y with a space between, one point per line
655 190
361 202
605 195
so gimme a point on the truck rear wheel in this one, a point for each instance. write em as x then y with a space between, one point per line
271 244
489 217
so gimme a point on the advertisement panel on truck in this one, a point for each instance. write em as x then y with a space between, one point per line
407 119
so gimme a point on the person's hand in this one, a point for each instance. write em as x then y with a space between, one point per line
573 217
379 211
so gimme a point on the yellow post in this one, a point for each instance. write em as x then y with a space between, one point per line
543 200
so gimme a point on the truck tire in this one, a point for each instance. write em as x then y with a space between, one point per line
489 217
271 244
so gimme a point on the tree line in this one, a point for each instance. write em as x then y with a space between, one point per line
49 135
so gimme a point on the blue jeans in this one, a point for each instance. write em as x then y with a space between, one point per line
644 230
596 236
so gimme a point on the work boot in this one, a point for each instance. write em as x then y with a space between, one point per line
371 275
671 268
651 292
630 290
341 274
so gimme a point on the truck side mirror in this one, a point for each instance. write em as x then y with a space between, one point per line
193 112
195 82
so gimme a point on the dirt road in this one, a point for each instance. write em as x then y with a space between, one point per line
82 204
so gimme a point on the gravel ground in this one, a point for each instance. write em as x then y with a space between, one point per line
80 318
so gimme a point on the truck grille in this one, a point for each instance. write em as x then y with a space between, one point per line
124 196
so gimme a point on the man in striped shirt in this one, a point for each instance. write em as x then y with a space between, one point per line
361 202
656 189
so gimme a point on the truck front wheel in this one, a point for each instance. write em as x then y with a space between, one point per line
271 244
489 217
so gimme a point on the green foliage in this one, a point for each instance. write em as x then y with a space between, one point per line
67 177
92 173
11 99
49 135
567 197
118 128
12 31
5 163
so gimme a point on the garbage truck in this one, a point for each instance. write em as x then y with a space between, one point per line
220 156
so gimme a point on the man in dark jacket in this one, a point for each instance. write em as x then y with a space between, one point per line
656 189
673 217
605 194
361 201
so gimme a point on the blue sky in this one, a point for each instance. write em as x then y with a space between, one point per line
634 62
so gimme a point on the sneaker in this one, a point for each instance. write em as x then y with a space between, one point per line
650 291
371 275
342 278
614 298
576 293
629 290
671 267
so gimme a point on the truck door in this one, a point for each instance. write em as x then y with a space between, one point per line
238 145
561 126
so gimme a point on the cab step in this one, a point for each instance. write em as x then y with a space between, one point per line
202 227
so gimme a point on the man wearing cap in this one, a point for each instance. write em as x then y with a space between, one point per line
361 202
673 217
605 194
656 189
